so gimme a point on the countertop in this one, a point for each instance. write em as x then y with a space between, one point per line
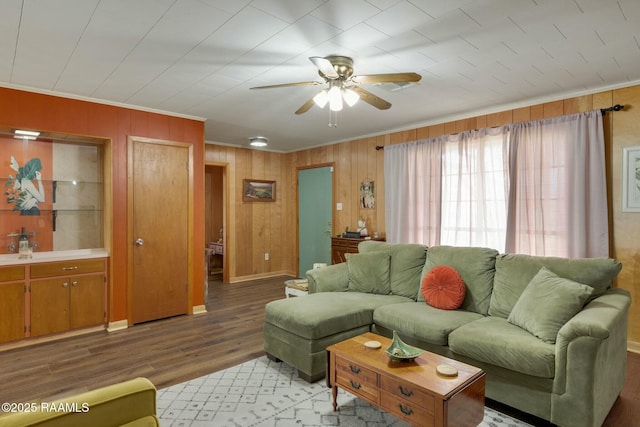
12 259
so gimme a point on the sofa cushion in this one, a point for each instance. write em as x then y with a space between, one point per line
369 273
547 303
515 271
323 314
495 341
443 288
407 261
475 265
422 322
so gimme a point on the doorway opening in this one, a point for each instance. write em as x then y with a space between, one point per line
215 224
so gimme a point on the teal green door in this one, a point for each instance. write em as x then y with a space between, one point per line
315 188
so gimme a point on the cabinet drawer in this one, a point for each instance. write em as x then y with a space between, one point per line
356 379
408 393
65 268
405 410
8 274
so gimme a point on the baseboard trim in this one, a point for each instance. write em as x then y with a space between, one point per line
117 325
47 338
262 276
633 346
199 309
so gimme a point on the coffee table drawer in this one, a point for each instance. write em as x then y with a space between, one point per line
405 410
408 392
347 368
357 379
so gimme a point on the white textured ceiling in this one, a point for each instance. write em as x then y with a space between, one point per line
200 57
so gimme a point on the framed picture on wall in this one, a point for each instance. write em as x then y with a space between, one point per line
367 194
631 179
258 190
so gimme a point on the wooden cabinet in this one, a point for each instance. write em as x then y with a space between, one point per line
72 300
343 245
51 297
12 303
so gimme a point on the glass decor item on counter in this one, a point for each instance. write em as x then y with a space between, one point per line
24 250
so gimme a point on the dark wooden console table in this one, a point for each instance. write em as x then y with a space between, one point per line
343 245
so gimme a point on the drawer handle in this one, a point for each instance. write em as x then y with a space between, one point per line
406 411
354 369
355 385
405 392
74 283
69 268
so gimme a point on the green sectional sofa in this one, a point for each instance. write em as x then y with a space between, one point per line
551 333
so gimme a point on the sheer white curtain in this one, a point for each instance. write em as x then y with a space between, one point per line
537 188
412 174
474 189
558 194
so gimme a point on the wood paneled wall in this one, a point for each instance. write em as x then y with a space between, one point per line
48 113
256 228
358 159
260 228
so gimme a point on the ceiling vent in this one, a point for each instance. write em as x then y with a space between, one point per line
396 86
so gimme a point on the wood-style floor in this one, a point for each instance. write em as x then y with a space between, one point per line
174 350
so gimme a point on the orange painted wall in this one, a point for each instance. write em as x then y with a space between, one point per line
22 109
13 221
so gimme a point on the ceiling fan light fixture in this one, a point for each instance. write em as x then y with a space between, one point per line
350 97
258 141
321 98
335 98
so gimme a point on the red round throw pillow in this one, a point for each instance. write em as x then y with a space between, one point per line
443 287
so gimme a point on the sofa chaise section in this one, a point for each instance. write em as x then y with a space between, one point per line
299 333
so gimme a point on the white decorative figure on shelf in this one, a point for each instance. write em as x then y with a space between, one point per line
362 228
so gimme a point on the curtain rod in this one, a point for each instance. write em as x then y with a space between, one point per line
616 107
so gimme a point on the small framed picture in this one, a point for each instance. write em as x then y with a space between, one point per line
367 194
258 190
631 179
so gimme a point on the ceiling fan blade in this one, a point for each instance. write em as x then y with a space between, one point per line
305 107
372 99
288 85
387 78
325 66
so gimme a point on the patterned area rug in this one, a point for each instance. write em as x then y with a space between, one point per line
263 393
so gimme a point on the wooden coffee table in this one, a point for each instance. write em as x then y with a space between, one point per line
412 391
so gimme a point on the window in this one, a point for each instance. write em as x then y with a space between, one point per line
537 188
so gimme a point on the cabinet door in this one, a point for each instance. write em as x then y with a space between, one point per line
12 311
49 306
87 305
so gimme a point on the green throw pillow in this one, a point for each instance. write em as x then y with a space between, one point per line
547 303
369 273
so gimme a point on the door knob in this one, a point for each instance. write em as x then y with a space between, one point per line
139 242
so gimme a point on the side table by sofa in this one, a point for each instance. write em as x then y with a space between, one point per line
296 287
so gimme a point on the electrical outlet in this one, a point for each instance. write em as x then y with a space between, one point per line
266 256
338 206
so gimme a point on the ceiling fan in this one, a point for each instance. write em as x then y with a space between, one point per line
337 72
